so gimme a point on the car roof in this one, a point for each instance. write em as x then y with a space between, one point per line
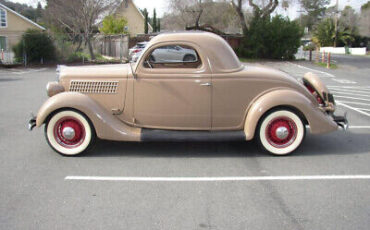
221 55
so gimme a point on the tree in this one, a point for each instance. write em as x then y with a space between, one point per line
195 14
325 34
315 11
159 25
38 11
113 25
259 12
79 17
146 21
347 25
363 22
154 24
24 9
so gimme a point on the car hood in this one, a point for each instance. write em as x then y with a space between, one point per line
80 72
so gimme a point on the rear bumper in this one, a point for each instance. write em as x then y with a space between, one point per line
31 123
341 121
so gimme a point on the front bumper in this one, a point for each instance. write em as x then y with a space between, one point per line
31 122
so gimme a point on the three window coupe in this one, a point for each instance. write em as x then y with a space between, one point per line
185 86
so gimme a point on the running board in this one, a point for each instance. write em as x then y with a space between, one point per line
178 136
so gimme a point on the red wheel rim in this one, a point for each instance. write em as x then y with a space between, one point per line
69 132
281 132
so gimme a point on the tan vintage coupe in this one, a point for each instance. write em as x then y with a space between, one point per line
206 95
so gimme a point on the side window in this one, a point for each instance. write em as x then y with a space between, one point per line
173 56
3 21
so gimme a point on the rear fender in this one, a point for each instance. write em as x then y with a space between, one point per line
318 121
106 125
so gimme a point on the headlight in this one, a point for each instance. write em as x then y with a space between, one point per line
53 88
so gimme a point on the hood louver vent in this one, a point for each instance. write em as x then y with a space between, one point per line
105 87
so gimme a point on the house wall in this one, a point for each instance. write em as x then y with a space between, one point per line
16 26
134 18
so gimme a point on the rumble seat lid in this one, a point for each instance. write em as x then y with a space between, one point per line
316 82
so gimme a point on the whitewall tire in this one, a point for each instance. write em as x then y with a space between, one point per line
281 132
69 132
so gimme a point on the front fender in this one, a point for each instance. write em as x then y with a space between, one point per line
106 125
318 121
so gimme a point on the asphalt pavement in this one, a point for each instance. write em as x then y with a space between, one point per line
192 185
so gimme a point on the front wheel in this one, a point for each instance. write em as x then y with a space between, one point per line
69 132
281 132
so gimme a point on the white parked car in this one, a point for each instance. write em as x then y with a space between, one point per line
175 53
135 52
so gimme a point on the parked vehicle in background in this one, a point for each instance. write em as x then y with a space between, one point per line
135 52
173 53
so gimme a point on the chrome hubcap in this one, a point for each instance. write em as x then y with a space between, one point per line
68 133
282 132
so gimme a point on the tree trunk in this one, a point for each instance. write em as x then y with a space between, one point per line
79 45
239 10
91 51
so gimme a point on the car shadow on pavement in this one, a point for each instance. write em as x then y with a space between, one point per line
338 143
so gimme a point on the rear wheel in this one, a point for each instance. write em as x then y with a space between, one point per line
69 133
281 132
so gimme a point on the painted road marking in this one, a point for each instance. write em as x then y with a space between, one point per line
346 93
359 127
356 98
344 81
212 179
349 87
350 91
313 70
355 109
355 103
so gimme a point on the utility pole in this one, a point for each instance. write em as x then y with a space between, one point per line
336 23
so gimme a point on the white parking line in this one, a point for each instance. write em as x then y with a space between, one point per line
350 87
313 70
212 179
356 98
353 108
352 102
344 81
349 91
351 94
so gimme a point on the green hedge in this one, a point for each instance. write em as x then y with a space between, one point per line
278 38
36 45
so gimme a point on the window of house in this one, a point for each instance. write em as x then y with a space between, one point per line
3 21
173 56
2 43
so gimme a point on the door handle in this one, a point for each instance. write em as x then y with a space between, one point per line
206 84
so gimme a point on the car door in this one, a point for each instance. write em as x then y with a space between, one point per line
172 94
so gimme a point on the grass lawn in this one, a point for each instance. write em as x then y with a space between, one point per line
332 65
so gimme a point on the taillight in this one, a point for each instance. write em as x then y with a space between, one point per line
136 51
315 94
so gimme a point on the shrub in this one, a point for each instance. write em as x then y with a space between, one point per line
78 57
309 47
36 45
278 38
